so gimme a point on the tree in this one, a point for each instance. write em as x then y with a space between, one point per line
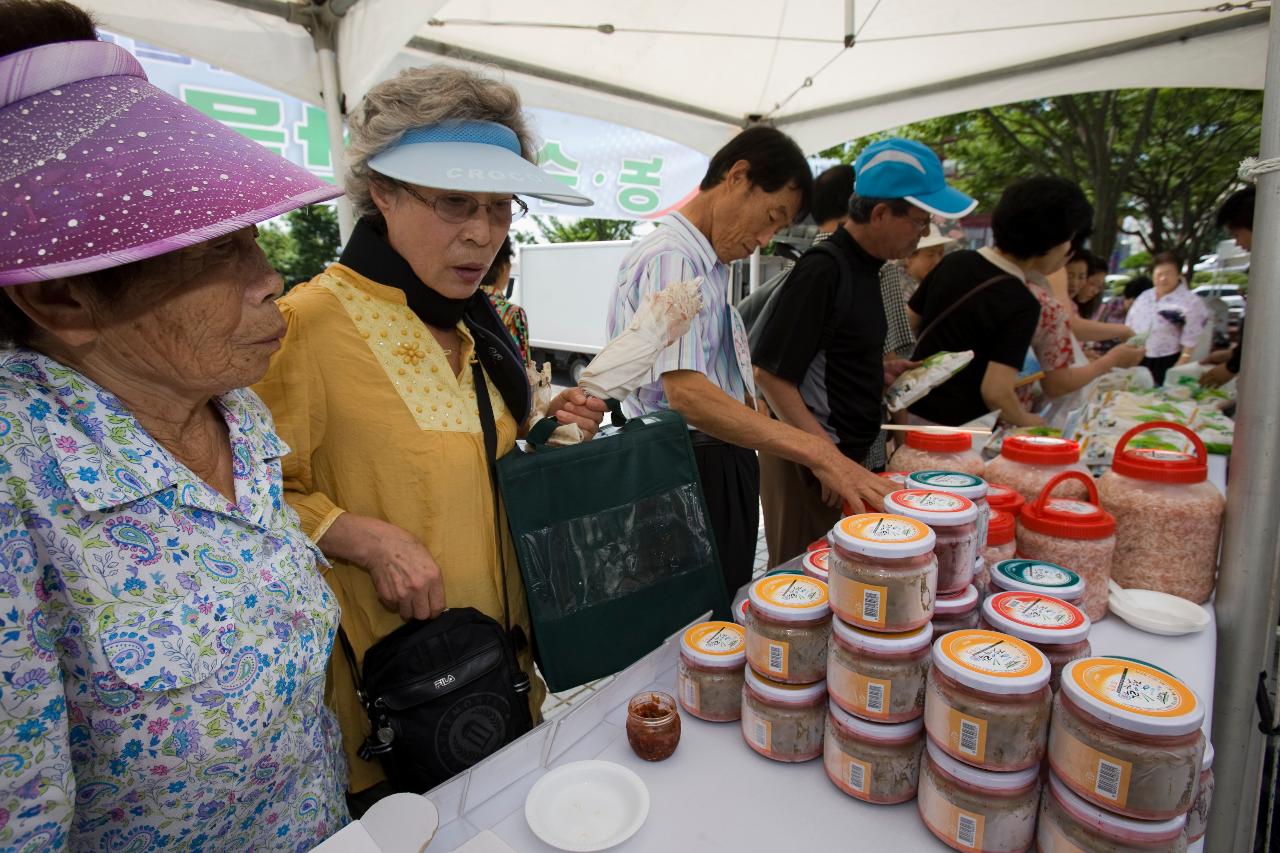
555 229
303 245
1167 156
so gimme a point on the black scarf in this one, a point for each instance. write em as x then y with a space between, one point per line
368 253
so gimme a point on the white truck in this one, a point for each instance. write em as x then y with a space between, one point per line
567 290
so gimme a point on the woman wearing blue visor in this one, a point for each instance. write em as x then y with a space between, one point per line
374 388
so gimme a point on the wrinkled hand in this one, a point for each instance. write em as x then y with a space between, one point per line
405 575
1124 355
1216 377
575 406
895 367
848 480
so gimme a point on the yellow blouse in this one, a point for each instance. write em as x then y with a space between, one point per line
380 426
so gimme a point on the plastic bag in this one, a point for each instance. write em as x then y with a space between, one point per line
915 383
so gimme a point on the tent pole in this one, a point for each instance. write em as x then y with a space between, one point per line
333 113
1247 588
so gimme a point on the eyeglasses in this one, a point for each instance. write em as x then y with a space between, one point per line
456 208
921 224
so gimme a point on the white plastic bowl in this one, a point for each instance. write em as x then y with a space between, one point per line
1157 612
587 805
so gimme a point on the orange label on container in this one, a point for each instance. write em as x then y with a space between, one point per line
860 603
882 527
1135 687
967 735
756 730
866 697
716 638
1095 775
992 653
956 825
854 774
688 691
768 657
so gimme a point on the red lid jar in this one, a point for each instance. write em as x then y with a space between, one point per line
1027 462
1076 534
1168 516
929 450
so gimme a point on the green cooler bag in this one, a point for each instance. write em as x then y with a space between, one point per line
614 543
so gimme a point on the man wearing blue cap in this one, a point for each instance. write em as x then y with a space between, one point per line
757 183
820 353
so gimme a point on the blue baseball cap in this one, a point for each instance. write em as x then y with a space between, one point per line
470 156
905 169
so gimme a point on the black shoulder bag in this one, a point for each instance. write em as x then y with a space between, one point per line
444 693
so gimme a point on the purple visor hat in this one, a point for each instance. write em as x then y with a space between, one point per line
99 168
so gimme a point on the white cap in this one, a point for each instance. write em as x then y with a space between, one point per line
1207 761
934 238
955 482
961 602
1036 617
991 662
790 598
790 694
997 782
934 507
1132 696
1135 832
717 644
886 536
877 641
867 730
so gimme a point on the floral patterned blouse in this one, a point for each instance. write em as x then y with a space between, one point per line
162 650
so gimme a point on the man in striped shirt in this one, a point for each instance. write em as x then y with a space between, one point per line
756 184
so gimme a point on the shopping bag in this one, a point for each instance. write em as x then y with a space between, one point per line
614 543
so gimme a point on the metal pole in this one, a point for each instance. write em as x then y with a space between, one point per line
1247 590
328 59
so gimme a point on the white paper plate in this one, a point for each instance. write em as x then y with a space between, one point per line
587 805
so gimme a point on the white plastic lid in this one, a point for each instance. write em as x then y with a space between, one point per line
1133 696
991 662
874 641
879 534
962 602
955 482
1037 576
867 730
790 598
791 694
718 644
935 508
1207 761
815 563
994 781
1036 617
1098 818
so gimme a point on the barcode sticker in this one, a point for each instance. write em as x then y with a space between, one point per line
871 605
777 659
1108 782
689 692
858 776
875 697
757 731
969 737
967 830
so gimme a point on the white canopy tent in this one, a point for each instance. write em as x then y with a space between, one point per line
698 72
827 71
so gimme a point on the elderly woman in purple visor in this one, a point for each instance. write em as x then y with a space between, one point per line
164 630
388 353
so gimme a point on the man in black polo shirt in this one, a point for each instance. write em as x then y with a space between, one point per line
820 356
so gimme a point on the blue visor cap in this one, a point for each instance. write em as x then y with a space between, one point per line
473 157
905 169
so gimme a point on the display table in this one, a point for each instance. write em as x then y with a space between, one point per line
716 794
